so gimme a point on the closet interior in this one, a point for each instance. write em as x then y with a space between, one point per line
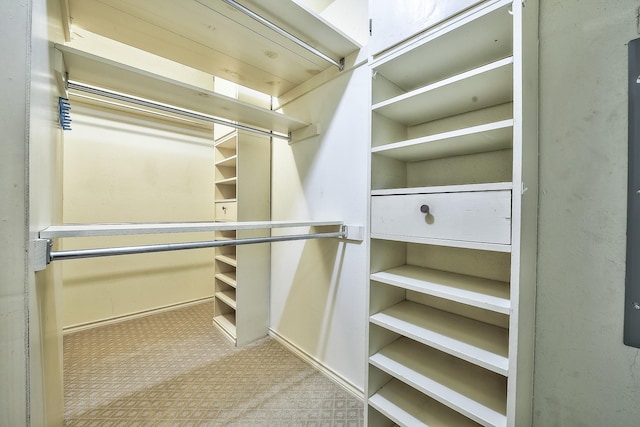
407 129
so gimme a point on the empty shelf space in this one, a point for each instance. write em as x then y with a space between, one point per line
228 141
227 297
227 277
475 291
229 161
227 322
468 389
408 407
229 259
87 68
492 186
227 181
476 139
476 342
473 39
482 87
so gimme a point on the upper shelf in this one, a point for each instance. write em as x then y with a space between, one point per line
480 35
213 37
482 87
87 68
92 230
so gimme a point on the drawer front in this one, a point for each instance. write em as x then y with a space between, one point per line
479 216
226 211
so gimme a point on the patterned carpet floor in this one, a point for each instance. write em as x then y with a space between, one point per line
176 369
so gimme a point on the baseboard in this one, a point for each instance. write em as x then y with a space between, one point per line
113 320
331 374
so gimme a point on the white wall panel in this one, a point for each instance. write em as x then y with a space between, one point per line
318 287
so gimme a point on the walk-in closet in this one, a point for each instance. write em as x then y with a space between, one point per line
315 212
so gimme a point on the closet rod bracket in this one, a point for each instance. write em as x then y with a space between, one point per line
352 232
40 253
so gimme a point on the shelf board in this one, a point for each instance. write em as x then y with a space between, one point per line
227 322
228 141
227 181
86 68
482 246
206 35
491 186
476 139
476 342
475 38
121 229
228 161
474 291
228 277
227 297
482 87
473 391
407 407
229 259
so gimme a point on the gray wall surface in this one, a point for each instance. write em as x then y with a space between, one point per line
584 375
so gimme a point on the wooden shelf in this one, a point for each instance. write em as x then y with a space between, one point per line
228 181
91 230
206 35
467 42
227 162
472 391
476 342
227 322
492 186
474 291
476 139
407 407
228 277
229 259
482 87
227 297
86 68
228 141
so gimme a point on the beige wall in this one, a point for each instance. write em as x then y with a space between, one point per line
584 375
121 167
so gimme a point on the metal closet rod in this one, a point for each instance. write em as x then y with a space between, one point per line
284 33
168 109
130 250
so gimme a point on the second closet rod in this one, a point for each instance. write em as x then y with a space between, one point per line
169 109
130 250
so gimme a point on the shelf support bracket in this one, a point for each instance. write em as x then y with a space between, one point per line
305 133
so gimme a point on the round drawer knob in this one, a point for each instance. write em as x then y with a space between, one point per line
424 209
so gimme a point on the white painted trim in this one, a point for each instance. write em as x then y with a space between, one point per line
111 321
328 372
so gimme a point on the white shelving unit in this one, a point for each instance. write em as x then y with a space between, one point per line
242 168
453 195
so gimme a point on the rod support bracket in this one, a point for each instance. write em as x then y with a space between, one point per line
40 253
352 232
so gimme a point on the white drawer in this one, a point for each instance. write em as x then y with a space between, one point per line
226 211
474 216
